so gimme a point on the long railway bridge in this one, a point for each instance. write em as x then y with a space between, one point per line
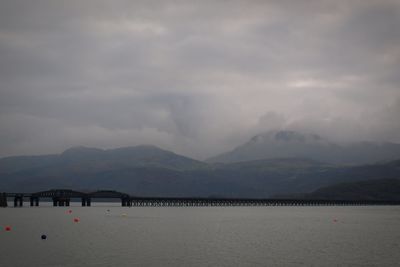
62 197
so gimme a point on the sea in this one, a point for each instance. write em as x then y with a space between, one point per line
109 235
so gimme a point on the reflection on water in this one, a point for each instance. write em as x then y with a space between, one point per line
109 235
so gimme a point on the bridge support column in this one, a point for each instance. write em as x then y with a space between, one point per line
55 201
3 200
67 201
34 201
126 202
18 201
86 201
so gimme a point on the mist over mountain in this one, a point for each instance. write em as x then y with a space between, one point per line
292 144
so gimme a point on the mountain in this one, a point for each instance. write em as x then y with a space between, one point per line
383 189
291 144
86 159
151 171
266 178
82 167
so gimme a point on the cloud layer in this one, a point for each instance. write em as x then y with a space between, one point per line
196 77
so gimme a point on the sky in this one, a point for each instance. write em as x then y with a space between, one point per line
195 77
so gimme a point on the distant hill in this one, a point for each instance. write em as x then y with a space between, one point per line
383 189
94 159
291 144
151 171
91 168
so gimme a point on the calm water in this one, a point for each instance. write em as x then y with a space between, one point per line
214 236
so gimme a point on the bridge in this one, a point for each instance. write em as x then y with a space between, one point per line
62 197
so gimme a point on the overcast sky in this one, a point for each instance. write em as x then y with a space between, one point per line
195 77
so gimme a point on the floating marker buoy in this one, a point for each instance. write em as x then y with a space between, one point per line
108 210
69 211
43 237
76 220
7 228
335 220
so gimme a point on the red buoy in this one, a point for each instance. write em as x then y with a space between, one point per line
7 228
76 220
69 211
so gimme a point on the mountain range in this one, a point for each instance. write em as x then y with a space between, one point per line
283 144
151 171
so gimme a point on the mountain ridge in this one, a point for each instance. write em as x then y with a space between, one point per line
150 171
381 189
143 155
282 144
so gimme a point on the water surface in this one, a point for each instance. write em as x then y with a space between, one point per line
200 236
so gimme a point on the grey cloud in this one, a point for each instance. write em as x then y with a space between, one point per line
195 77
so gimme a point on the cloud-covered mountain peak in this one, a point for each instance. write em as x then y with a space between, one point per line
292 144
286 136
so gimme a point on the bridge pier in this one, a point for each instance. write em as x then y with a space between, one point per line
3 200
55 201
126 202
86 202
34 201
58 201
18 201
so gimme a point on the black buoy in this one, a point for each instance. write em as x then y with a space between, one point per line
44 237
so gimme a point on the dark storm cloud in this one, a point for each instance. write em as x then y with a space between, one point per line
197 77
